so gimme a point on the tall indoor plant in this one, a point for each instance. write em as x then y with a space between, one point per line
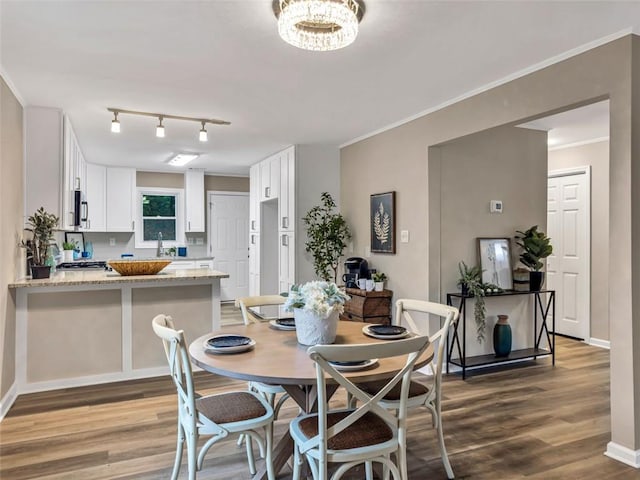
536 246
41 225
327 236
470 282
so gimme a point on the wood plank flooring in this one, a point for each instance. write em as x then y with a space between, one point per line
530 421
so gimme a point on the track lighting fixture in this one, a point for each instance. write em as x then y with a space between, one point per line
160 129
203 137
115 124
203 134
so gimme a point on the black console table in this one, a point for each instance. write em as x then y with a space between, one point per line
540 311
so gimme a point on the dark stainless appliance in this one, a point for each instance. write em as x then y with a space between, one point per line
80 209
80 264
355 268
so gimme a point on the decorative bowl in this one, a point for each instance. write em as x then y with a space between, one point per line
138 267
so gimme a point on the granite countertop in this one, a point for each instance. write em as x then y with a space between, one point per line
102 277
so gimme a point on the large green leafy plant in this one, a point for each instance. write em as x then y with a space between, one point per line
535 245
41 224
327 236
471 283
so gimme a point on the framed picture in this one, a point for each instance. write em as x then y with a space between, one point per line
77 238
383 222
494 255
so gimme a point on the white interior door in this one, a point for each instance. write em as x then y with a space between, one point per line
229 241
568 226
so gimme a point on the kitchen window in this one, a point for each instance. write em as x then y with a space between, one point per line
160 210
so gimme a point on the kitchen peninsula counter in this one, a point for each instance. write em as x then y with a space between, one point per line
103 277
94 326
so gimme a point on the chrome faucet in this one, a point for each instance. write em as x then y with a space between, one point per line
160 250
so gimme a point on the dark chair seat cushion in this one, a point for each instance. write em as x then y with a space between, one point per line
415 389
368 430
230 407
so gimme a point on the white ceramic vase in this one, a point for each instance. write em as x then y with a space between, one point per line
311 329
379 286
67 255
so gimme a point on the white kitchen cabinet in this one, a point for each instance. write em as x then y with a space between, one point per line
254 264
287 261
254 198
96 185
270 178
189 264
194 200
286 203
75 173
120 199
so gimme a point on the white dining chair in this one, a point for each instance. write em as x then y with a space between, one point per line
368 433
428 395
216 415
249 316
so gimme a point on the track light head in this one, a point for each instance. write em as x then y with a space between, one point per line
115 124
160 129
203 134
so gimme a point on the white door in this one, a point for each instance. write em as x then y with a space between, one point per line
568 226
229 241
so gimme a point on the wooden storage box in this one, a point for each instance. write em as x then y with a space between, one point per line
370 307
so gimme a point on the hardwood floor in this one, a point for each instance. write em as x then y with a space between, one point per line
531 421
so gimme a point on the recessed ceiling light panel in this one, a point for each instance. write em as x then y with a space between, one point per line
182 159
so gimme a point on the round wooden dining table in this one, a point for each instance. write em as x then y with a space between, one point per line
277 358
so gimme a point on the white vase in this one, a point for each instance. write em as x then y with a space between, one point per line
67 255
311 329
379 286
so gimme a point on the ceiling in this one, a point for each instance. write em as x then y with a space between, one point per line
224 59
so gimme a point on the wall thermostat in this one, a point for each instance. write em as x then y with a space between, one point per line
495 206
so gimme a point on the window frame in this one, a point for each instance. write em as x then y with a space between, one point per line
180 217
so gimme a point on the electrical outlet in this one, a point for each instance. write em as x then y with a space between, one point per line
112 242
189 240
199 241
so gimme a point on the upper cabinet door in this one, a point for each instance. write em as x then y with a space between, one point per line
254 198
95 194
195 201
120 198
269 178
286 203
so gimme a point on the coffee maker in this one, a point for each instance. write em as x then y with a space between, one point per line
355 268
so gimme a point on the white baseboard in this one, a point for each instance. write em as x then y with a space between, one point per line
8 400
94 379
623 454
596 342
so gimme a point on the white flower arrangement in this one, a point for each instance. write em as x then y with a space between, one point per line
321 298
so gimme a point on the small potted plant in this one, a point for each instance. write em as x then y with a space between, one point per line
68 249
316 306
470 282
378 279
41 225
536 246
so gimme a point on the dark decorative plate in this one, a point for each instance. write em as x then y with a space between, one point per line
387 329
350 364
286 322
226 341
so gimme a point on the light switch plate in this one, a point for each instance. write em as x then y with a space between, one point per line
112 242
199 241
189 240
404 236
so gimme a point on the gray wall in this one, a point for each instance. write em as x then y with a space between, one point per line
507 164
12 207
398 159
595 155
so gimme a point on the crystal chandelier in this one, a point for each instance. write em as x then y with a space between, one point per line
318 25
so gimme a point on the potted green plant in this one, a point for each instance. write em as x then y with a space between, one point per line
41 225
536 246
68 248
470 282
316 307
327 235
378 279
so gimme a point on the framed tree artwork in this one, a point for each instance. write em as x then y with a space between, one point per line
383 222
